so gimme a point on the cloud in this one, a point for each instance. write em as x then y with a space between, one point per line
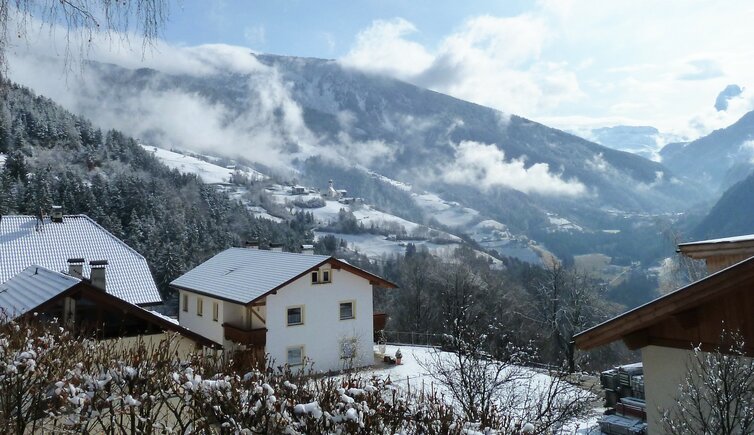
702 69
493 61
485 166
383 48
265 126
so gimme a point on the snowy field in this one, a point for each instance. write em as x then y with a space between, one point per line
375 245
412 376
448 213
395 183
208 172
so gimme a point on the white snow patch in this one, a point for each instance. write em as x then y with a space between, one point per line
2 160
445 212
209 172
395 183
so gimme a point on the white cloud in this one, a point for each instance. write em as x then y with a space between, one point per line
567 59
270 129
489 60
485 166
382 48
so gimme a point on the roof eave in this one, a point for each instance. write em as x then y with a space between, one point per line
655 311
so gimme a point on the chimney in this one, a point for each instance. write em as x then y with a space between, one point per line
276 247
307 249
76 267
97 275
56 215
252 244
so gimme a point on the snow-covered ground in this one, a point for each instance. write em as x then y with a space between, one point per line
448 213
395 183
562 224
209 172
413 376
2 161
375 245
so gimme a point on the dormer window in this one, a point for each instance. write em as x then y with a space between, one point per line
322 276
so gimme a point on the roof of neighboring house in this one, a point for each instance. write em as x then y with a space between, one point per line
23 243
31 288
36 287
672 305
735 239
245 275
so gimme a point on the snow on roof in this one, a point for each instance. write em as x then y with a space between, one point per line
744 238
242 275
78 236
32 287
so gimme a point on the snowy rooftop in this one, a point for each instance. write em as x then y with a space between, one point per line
744 238
242 275
31 288
50 245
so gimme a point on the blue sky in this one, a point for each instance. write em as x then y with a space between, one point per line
315 28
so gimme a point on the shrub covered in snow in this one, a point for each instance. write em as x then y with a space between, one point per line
54 382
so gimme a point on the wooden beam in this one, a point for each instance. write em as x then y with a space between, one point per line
688 319
261 319
637 340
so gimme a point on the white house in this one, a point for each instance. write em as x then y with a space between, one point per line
666 329
292 307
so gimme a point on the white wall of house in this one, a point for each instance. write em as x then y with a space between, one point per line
322 331
204 324
664 370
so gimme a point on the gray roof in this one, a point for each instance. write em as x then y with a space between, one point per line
242 275
78 236
30 288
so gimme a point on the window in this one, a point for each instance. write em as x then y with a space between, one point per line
199 306
322 276
347 310
295 356
295 316
348 348
185 302
215 311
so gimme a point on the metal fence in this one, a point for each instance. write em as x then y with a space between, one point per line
413 338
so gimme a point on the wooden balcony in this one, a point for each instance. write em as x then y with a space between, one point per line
249 337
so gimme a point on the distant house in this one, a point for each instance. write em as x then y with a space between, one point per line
293 307
52 242
83 306
666 329
298 190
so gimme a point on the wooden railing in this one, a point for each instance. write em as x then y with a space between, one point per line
250 337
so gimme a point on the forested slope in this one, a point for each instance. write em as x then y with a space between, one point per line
173 219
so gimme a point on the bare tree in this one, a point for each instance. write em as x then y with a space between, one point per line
564 302
81 21
486 373
679 270
717 393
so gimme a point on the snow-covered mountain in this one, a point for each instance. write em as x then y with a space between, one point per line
313 120
718 160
